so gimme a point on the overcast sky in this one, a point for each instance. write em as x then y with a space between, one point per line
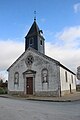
59 20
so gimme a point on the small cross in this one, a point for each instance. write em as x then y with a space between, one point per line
34 15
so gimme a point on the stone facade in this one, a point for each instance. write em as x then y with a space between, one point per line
35 71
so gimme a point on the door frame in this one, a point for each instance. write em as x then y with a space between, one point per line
26 74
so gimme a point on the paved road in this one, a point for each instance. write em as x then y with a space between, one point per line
11 109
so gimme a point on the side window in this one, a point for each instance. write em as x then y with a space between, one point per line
40 42
44 75
72 78
31 41
66 76
16 78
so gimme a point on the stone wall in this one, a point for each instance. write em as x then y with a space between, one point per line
21 93
47 93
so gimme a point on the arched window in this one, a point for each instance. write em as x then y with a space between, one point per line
31 41
44 75
16 78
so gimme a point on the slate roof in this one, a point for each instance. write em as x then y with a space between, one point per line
34 30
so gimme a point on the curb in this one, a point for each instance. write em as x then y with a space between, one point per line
50 100
33 99
68 100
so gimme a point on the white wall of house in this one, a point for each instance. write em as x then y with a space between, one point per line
71 79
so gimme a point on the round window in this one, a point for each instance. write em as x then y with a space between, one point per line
29 60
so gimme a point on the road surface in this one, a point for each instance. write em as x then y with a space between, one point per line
12 109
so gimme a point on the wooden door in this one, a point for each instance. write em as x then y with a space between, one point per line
29 85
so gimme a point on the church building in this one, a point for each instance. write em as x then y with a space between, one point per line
35 73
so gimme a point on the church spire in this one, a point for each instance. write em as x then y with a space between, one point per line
34 38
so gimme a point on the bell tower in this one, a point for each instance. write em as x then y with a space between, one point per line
35 39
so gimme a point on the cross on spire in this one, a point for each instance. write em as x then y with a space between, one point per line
34 15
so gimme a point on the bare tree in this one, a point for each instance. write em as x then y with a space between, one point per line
1 78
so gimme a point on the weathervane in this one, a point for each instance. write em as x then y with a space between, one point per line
34 15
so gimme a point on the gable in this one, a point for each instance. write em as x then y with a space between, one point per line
40 55
33 51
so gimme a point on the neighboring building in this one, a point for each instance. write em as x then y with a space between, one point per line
77 87
34 73
78 72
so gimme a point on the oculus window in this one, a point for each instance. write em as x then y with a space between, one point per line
29 60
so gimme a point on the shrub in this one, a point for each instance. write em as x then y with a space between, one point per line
2 91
